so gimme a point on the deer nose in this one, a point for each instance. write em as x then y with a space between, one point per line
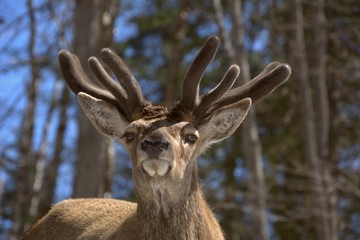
154 148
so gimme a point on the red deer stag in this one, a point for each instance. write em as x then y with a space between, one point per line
163 145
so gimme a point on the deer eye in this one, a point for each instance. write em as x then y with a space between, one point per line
129 137
191 138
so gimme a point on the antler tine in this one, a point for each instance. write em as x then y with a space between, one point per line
217 92
115 89
259 87
78 81
135 98
196 71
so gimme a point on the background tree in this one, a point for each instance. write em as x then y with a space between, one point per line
27 158
93 24
249 138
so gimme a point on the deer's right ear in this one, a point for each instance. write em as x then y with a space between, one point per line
104 116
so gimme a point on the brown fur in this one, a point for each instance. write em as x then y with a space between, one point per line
111 219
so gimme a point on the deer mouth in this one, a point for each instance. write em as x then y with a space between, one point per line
155 167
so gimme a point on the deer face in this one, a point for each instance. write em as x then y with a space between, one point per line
159 147
164 146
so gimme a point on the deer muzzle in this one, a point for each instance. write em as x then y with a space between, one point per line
154 148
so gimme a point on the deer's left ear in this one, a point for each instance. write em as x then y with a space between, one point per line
224 121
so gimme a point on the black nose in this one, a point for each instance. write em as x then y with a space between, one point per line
154 148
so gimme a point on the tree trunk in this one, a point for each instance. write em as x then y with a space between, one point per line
26 159
251 146
322 110
172 83
94 21
310 143
38 181
48 199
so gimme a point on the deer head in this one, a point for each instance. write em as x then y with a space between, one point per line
164 143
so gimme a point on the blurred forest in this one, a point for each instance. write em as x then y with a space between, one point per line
291 172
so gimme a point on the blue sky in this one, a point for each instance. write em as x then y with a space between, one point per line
15 74
14 38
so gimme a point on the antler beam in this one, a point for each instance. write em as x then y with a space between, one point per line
127 97
259 87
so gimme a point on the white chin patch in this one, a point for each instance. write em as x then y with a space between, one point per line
155 166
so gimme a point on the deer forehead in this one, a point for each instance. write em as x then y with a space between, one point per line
160 126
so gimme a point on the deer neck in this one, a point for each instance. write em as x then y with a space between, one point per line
166 217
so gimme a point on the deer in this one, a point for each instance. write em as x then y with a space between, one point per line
163 144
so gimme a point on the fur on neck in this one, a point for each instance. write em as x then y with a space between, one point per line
182 220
